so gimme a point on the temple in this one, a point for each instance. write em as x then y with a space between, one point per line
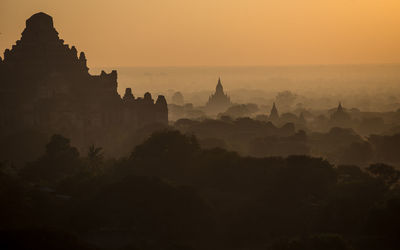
274 115
340 117
219 101
45 85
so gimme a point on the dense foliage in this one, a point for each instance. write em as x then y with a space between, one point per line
172 194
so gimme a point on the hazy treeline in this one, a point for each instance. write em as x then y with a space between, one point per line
170 193
251 137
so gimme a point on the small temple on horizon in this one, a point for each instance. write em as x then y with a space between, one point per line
274 115
219 101
340 116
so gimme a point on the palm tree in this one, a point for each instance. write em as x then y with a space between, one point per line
95 158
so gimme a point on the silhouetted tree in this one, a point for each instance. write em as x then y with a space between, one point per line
59 161
95 158
167 154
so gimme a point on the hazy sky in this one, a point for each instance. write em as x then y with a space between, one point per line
217 32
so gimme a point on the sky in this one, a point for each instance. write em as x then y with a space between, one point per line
217 32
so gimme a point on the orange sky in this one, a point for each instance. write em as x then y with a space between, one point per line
217 32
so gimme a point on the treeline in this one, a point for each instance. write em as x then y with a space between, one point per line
170 193
263 139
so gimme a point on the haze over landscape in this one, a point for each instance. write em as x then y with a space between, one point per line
200 125
311 47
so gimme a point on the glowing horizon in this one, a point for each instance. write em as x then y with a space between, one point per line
217 32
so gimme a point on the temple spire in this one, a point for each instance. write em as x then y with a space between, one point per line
274 115
340 108
219 101
128 96
83 61
219 88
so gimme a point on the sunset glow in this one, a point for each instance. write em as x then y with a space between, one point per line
217 32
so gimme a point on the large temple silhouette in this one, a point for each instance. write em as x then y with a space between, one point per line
219 101
45 85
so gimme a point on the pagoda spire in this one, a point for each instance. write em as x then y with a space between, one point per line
340 108
274 115
219 88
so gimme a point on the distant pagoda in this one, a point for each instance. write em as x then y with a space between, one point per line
219 101
274 115
340 116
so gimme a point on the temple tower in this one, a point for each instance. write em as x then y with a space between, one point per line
274 115
219 101
340 117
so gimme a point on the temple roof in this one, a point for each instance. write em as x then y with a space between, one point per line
340 108
274 112
219 88
40 20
